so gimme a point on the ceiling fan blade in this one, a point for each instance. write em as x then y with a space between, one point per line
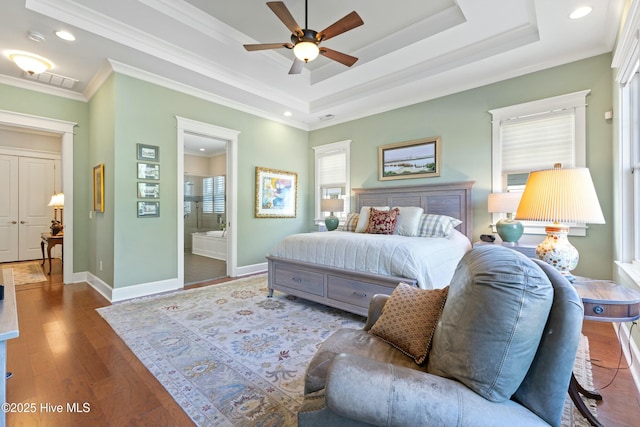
264 46
345 24
296 67
284 15
340 57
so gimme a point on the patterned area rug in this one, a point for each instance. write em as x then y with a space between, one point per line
26 272
230 356
227 354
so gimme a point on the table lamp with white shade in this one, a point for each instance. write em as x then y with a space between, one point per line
509 229
562 196
331 206
57 202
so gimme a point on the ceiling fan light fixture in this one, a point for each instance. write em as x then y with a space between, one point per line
306 51
29 62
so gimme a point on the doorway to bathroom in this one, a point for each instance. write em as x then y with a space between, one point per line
205 208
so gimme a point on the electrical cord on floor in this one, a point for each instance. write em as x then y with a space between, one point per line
618 368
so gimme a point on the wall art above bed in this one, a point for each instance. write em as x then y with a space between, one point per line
276 193
419 158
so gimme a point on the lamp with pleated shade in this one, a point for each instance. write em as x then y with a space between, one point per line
561 196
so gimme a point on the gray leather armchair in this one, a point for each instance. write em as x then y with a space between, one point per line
494 306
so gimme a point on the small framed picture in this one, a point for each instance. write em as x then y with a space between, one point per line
148 171
148 190
98 188
148 209
150 153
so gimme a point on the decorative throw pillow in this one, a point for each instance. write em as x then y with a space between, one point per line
351 222
409 220
497 307
409 318
437 225
382 222
363 221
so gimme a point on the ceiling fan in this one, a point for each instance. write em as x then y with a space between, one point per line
305 42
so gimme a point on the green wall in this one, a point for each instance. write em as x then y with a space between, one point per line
144 249
101 143
464 123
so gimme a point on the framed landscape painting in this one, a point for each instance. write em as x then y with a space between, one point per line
419 158
276 193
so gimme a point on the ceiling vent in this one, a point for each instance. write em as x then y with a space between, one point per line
52 79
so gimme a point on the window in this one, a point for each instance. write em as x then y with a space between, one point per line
626 62
536 135
207 194
219 194
630 165
332 176
213 194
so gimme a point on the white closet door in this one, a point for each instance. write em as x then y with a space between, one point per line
36 188
9 210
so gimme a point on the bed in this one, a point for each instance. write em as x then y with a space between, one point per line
322 267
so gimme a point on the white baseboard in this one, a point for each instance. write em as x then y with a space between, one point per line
129 292
252 269
634 355
98 284
152 288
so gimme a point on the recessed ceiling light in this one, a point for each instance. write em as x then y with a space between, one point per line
66 35
288 114
202 149
580 12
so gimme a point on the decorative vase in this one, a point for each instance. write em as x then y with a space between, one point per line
557 251
509 230
331 222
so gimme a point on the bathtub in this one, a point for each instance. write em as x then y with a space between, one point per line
212 244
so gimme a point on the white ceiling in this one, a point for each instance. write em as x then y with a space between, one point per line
409 52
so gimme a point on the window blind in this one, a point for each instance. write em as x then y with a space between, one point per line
218 194
538 142
207 195
332 169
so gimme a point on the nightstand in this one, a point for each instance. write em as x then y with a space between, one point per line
603 301
528 250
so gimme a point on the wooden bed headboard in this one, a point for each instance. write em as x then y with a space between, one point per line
452 199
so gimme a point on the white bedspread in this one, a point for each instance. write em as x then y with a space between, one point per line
430 260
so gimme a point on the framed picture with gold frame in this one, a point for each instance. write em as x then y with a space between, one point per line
419 158
276 193
98 188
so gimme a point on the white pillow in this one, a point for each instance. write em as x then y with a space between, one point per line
408 220
363 221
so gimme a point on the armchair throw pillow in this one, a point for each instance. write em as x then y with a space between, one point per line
409 318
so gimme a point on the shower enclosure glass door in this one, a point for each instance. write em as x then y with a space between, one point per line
204 227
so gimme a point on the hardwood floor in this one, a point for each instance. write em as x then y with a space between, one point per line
67 355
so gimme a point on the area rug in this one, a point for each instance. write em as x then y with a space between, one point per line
230 356
227 354
26 272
